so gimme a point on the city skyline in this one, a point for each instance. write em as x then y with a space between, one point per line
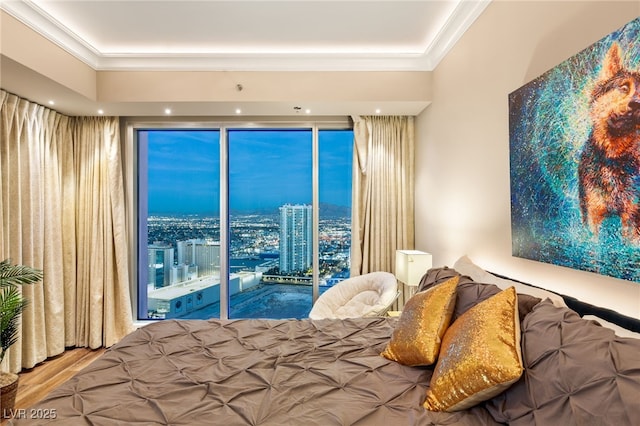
267 169
184 259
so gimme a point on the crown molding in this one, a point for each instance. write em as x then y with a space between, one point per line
48 27
464 14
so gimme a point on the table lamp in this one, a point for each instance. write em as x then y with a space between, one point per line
411 265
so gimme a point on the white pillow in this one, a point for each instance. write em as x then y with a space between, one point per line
465 266
620 331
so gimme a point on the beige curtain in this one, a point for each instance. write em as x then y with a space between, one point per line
62 210
383 191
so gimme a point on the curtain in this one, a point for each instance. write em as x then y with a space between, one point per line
383 194
62 211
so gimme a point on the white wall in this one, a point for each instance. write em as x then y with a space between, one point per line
462 155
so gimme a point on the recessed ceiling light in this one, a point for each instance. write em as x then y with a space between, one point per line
100 111
378 111
52 103
167 111
307 111
238 111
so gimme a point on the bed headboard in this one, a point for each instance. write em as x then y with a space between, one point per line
584 308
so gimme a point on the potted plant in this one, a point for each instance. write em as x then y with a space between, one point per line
11 306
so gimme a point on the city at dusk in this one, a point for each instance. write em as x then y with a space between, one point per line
270 250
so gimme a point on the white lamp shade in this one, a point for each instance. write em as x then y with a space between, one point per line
411 265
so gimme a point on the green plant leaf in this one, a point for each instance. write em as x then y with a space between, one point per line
18 274
11 301
11 306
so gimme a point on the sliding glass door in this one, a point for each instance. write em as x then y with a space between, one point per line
179 223
271 228
335 159
241 222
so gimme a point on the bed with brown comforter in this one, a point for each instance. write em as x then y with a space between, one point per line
330 372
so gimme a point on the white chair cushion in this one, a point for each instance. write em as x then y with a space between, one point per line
365 295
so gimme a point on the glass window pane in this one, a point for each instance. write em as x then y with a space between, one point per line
335 151
271 250
179 205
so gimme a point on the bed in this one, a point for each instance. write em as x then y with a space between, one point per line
331 372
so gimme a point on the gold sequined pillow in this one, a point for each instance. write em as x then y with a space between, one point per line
417 337
480 355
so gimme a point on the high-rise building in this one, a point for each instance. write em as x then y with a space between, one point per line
160 263
205 254
296 238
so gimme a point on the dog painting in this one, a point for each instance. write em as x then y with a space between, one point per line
574 144
609 169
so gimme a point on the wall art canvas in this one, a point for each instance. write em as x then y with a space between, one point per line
574 135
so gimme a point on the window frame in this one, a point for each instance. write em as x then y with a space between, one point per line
130 149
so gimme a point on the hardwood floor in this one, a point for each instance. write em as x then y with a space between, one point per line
37 382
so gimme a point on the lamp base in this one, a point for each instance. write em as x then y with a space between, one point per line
411 290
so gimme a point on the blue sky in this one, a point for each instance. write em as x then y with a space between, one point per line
267 168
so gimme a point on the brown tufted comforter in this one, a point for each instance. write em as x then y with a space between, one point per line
250 372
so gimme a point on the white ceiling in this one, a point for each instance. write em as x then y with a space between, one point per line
243 35
252 35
